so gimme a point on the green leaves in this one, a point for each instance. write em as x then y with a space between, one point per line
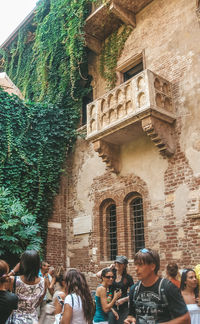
18 228
47 61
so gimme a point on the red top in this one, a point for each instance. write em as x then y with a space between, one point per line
175 282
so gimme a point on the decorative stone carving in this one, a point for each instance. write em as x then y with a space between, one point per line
144 102
109 154
160 133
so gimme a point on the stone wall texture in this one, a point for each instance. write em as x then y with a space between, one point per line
167 31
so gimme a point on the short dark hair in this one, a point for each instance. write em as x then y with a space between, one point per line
104 271
30 264
148 256
172 269
184 278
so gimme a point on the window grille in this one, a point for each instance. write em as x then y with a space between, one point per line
112 222
137 221
133 71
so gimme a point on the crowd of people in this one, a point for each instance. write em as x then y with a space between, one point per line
32 293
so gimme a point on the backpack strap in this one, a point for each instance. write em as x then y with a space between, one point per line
136 290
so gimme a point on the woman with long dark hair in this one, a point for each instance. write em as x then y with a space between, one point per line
104 303
190 292
122 281
78 305
8 300
30 288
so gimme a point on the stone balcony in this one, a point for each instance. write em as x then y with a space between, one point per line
142 104
107 16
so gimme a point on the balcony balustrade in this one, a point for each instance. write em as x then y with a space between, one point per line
142 104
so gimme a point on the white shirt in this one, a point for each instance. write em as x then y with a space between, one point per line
76 304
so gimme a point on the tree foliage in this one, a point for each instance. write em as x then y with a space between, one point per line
18 228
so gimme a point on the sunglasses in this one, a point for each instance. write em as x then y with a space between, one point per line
147 251
109 277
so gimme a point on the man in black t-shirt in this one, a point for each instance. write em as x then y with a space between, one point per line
154 300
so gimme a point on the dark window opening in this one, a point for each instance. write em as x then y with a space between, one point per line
85 101
137 221
112 222
133 71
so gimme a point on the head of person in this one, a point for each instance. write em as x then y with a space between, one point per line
189 280
4 269
107 276
60 279
147 260
121 263
45 266
172 269
30 264
75 282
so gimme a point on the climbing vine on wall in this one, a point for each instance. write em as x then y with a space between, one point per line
34 140
112 49
48 62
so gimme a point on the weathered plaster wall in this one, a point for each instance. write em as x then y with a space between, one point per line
168 32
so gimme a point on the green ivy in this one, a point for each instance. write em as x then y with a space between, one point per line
47 61
112 49
35 138
18 228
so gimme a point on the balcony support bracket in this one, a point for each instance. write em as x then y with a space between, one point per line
161 133
93 43
109 153
127 16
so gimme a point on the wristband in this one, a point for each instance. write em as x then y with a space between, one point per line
13 272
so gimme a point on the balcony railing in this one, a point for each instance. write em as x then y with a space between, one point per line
143 103
126 102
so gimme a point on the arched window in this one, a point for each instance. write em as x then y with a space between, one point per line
112 232
137 223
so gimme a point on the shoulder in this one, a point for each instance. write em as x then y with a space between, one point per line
135 287
167 285
72 299
100 289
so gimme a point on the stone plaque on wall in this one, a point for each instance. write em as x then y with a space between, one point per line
82 225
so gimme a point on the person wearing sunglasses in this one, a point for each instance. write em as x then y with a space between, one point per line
103 303
153 299
122 281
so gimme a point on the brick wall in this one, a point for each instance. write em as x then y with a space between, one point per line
168 32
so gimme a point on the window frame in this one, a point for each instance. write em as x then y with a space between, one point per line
128 64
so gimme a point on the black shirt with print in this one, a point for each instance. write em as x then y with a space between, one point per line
147 306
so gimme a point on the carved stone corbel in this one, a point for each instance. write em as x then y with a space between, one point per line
128 17
161 133
93 43
110 154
